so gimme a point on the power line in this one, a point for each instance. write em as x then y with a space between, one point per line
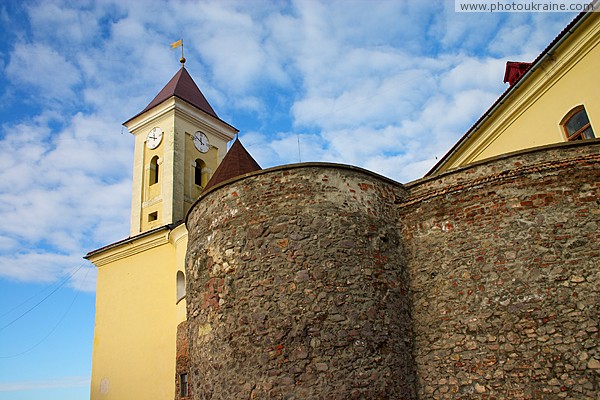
67 277
65 280
59 321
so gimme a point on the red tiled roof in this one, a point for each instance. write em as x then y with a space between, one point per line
183 86
236 162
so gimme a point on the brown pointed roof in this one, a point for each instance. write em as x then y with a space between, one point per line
183 86
236 162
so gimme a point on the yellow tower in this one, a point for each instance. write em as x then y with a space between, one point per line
178 141
140 292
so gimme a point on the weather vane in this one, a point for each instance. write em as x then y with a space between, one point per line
177 44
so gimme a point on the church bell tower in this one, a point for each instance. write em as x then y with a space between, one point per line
179 142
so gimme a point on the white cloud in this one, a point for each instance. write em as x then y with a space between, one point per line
474 73
7 243
44 69
40 266
55 22
388 87
67 382
60 194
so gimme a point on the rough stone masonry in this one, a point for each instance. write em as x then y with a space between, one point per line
324 281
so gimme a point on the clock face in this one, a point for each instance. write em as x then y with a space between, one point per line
201 142
154 138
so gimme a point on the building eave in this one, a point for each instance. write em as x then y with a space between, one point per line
132 122
101 256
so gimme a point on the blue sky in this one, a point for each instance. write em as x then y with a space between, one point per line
385 85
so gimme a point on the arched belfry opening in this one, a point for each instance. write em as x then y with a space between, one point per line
154 170
201 174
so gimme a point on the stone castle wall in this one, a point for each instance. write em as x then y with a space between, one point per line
320 281
505 279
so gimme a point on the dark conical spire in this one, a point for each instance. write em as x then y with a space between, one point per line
236 162
182 86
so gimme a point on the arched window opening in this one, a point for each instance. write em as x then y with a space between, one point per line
576 125
154 170
200 174
180 286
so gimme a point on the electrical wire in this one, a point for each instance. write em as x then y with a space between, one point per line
47 287
59 321
62 283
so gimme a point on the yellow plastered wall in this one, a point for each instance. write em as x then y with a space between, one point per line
137 314
134 335
532 114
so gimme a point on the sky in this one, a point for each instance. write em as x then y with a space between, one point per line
384 85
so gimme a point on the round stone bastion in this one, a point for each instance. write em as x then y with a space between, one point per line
325 281
297 287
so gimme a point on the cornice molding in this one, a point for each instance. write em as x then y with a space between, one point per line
128 248
137 124
178 234
213 126
187 112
